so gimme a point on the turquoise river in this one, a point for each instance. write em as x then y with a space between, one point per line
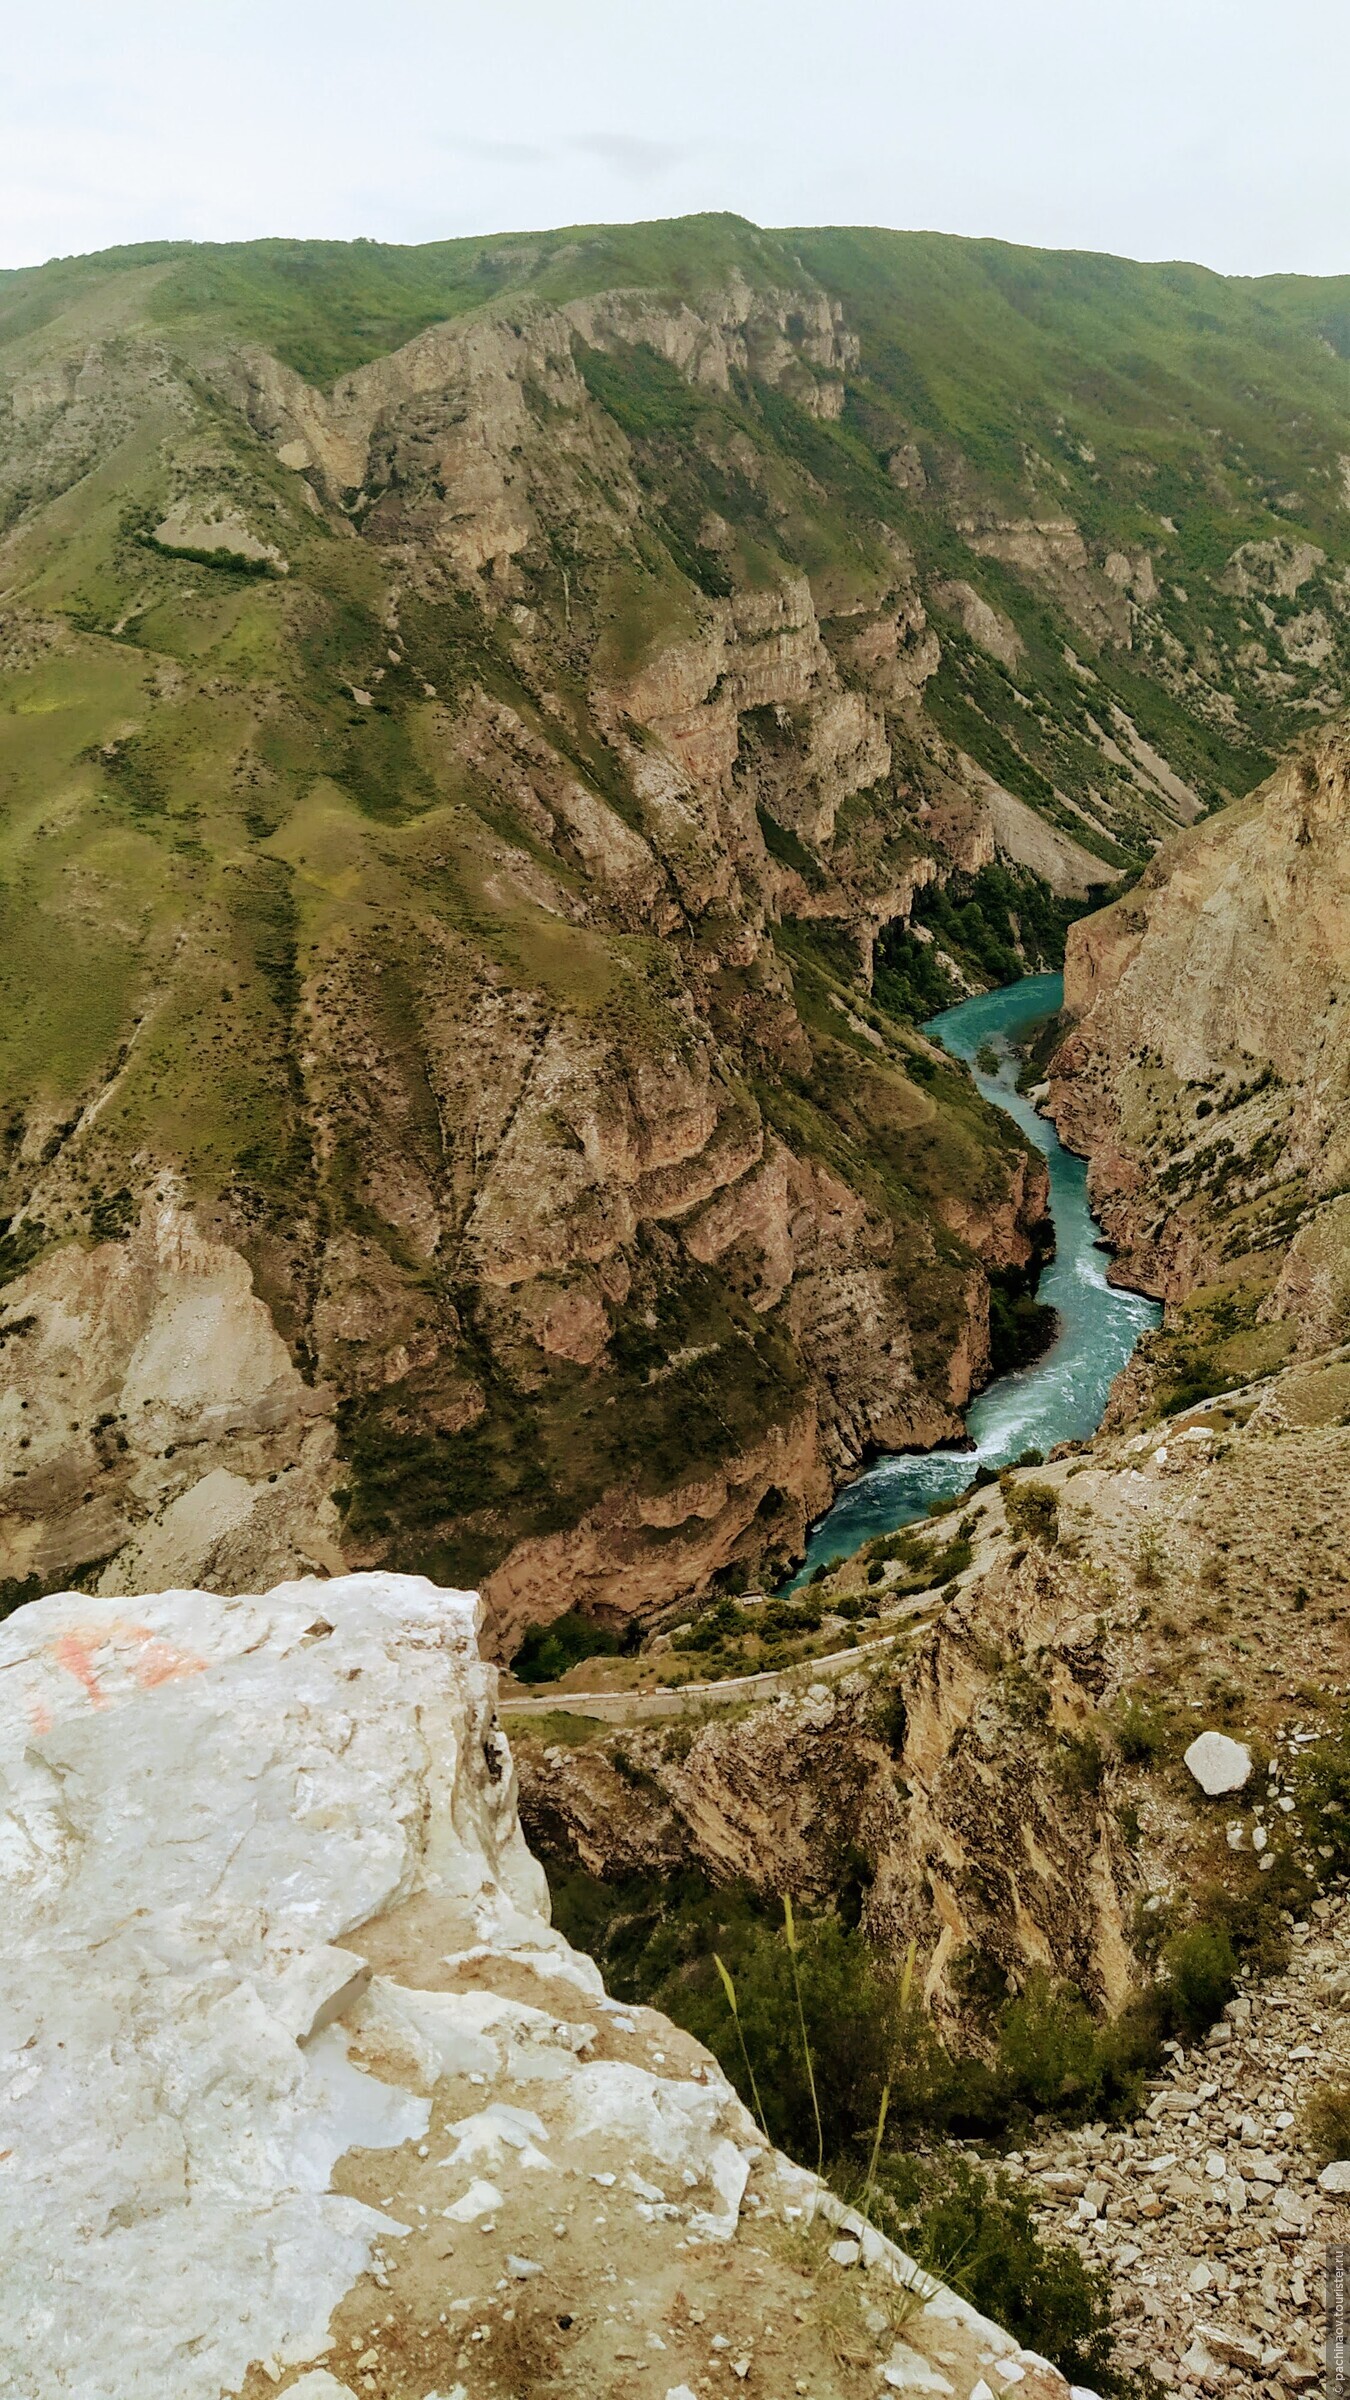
1060 1397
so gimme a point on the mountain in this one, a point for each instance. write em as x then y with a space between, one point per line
500 745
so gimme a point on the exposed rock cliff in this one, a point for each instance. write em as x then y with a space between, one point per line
1207 1076
931 1772
295 2069
486 1095
964 1770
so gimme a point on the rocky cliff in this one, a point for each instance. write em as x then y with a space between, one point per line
1206 1077
513 738
297 2072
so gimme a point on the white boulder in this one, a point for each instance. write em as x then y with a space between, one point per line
1218 1763
1336 2177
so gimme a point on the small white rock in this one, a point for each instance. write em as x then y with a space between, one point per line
476 2202
1218 1763
1336 2177
845 2254
906 2371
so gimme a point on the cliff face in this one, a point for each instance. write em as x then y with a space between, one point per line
491 779
476 1180
1207 1073
932 1770
296 2070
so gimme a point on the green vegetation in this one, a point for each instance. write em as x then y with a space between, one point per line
975 2228
549 1650
1322 1796
1032 1510
1326 2121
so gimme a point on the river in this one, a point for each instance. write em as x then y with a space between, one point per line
1060 1397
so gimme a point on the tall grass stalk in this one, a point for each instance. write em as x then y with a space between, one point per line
729 1987
906 1983
790 1928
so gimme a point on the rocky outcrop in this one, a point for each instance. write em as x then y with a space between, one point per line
296 2070
965 1761
151 1414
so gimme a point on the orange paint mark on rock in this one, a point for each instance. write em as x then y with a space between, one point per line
39 1717
161 1663
72 1652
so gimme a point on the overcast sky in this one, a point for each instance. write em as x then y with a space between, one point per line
1205 129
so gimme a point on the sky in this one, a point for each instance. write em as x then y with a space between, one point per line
1203 129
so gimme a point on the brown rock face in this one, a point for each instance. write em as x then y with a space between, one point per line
937 1777
1208 1072
153 1417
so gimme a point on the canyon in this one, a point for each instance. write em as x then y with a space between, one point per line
504 747
514 762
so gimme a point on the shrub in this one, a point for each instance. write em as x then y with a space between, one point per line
718 1624
1141 1733
851 2012
794 1616
1322 1789
1151 1562
1250 1912
1032 1511
890 1718
1199 1974
976 2230
1047 2046
1079 1763
1326 2121
549 1650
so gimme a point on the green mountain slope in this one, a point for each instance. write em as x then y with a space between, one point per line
478 725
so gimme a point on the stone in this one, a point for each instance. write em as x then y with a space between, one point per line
1231 2349
845 2254
1197 2361
1336 2177
1218 1763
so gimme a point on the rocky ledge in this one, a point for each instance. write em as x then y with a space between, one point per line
300 2090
